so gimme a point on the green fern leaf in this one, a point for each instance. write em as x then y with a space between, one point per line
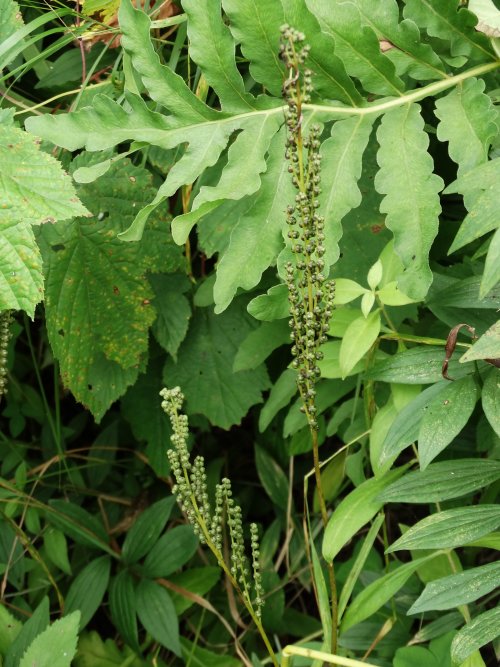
412 202
467 121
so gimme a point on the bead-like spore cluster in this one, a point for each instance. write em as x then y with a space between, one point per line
5 321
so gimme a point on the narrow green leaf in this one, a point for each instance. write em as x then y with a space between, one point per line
56 646
490 541
445 417
450 529
283 390
272 478
212 48
380 591
419 365
464 293
357 340
198 580
171 552
92 173
481 198
157 614
87 590
437 628
271 306
442 481
260 343
354 511
10 19
487 347
256 27
34 626
56 548
163 85
146 530
406 167
458 589
183 224
79 524
323 596
382 460
10 627
122 607
491 274
467 122
478 632
490 397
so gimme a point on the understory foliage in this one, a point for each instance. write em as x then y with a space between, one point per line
285 212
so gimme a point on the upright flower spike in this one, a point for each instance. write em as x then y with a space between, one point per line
5 321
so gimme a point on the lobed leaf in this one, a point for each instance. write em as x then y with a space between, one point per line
412 202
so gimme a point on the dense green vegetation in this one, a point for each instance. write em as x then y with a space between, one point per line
285 213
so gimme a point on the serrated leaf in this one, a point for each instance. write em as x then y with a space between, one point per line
444 418
490 397
354 511
481 198
357 46
33 627
467 122
56 646
256 27
283 390
122 607
146 530
212 48
260 343
442 481
358 338
450 529
87 589
419 365
406 167
487 347
458 589
204 367
171 552
449 21
157 614
272 477
478 632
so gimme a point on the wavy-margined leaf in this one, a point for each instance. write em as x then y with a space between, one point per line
458 589
478 632
204 367
482 200
342 156
256 27
212 48
97 295
467 122
256 238
449 21
163 85
411 54
357 46
412 202
450 529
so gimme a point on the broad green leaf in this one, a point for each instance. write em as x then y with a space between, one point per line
487 347
256 27
96 652
478 632
357 46
406 168
419 365
490 397
212 48
197 580
491 274
272 478
173 308
163 85
34 626
442 481
450 529
56 646
342 156
341 319
204 367
375 274
183 224
381 424
412 55
78 524
330 364
283 390
467 122
122 607
458 589
146 530
464 294
491 541
481 198
256 237
444 418
358 339
444 623
354 511
157 614
437 655
10 19
448 21
271 306
10 627
380 591
56 548
391 295
197 656
347 290
21 279
171 552
87 589
260 343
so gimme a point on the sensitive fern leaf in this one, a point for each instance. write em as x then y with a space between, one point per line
412 202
